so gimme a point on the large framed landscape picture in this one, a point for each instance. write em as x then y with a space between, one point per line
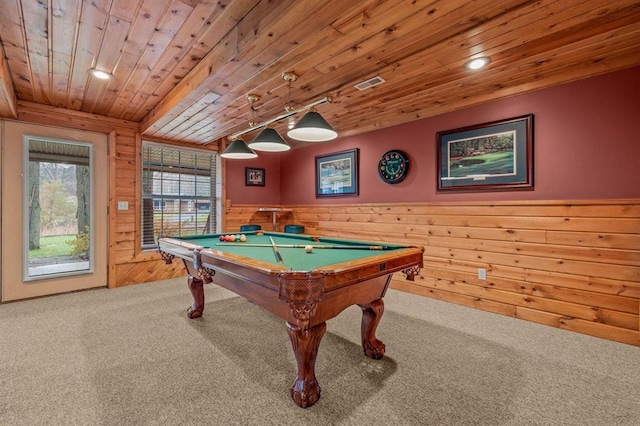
337 174
493 156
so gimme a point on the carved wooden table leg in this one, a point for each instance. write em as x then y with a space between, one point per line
305 390
195 287
371 316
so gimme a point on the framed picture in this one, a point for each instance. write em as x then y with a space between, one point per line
254 177
492 156
337 174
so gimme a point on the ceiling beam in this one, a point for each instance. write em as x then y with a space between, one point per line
8 98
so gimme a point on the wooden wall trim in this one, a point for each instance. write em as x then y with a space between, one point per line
8 98
137 240
43 114
111 272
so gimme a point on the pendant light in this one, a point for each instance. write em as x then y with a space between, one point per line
238 150
269 140
312 127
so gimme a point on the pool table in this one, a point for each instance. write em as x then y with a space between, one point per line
303 288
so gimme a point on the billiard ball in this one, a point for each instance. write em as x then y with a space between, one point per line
308 249
243 238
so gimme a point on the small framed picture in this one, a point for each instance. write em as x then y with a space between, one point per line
254 177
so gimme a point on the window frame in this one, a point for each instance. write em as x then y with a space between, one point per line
212 224
56 157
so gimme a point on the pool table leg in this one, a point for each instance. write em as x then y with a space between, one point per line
305 390
371 316
197 291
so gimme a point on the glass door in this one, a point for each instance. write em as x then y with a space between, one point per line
57 235
54 210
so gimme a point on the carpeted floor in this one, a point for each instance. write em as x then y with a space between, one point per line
131 356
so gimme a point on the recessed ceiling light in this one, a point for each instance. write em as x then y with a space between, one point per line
477 63
102 75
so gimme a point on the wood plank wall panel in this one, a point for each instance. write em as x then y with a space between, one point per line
572 265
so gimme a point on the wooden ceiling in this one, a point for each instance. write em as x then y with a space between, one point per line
183 68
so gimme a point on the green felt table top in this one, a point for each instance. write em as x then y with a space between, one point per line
295 258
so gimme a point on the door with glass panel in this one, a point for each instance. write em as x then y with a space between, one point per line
57 242
56 200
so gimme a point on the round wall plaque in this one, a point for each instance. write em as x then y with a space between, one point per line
393 166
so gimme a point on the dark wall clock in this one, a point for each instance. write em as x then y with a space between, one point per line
393 166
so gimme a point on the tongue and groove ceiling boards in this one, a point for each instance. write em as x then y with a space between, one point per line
183 68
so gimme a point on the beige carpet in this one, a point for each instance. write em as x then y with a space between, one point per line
130 356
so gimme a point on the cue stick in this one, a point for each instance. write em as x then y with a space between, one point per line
322 246
275 250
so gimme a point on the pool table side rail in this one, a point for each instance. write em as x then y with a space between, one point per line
334 276
346 273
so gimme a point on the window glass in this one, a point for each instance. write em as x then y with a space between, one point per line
58 199
178 192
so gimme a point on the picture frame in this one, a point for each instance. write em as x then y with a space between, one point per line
494 156
254 176
337 174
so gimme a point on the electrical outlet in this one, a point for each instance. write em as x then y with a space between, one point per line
123 205
482 274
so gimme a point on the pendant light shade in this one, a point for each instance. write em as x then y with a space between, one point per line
312 127
269 140
238 150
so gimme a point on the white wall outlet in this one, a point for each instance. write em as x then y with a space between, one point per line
123 205
482 274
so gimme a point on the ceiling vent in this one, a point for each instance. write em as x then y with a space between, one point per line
374 81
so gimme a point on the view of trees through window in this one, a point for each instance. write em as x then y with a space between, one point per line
58 192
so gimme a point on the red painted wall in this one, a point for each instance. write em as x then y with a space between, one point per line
239 193
586 146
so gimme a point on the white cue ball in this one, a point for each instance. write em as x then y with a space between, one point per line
308 249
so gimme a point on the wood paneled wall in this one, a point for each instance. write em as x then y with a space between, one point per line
573 265
567 264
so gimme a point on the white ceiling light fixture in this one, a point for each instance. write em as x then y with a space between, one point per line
99 74
477 63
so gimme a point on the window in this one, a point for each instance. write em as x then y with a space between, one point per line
175 180
159 205
58 199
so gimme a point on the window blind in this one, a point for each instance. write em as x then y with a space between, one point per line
178 192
